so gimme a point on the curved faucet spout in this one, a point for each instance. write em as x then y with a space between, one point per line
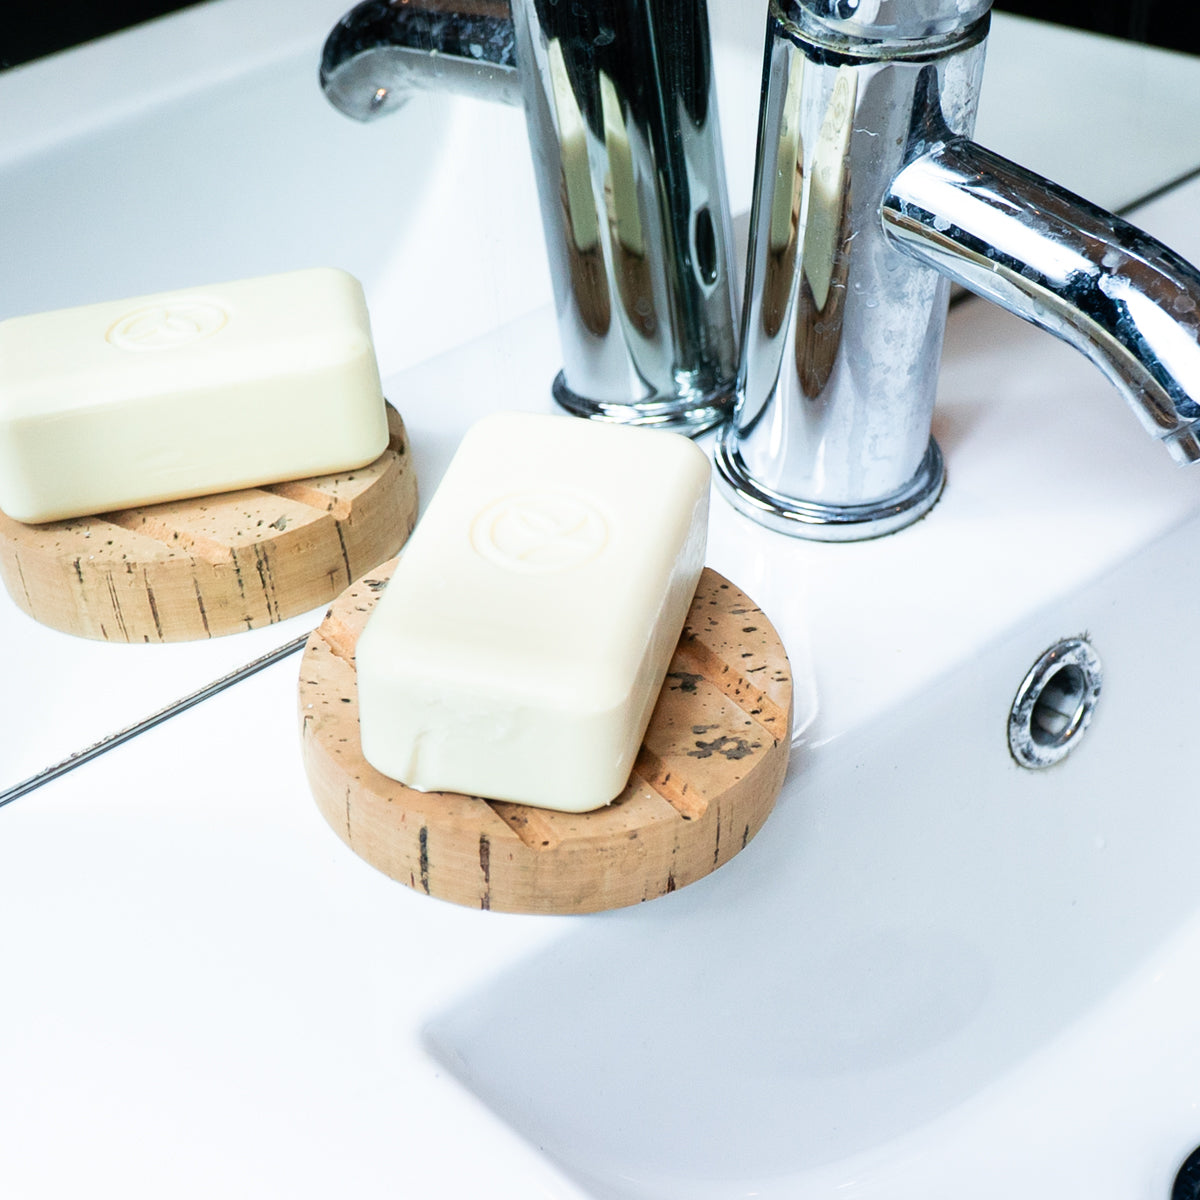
871 197
381 52
1125 300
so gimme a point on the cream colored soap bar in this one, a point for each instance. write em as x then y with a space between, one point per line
519 649
186 393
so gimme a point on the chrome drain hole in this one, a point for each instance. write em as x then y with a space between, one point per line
1054 704
1187 1182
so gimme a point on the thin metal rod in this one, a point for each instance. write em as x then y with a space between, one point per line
124 735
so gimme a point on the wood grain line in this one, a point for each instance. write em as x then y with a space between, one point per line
16 559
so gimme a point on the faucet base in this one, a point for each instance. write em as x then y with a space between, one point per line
689 413
827 522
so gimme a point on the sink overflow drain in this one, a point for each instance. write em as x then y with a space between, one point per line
1187 1182
1054 703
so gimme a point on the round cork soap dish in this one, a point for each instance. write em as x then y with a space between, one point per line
710 768
213 565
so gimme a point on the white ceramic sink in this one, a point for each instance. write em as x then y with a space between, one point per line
930 958
933 974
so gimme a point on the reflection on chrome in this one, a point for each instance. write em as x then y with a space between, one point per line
865 165
622 118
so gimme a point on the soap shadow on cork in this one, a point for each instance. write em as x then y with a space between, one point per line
793 1008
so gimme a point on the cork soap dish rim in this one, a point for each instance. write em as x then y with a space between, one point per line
170 572
649 833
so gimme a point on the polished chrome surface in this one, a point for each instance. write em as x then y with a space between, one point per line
870 199
622 117
826 522
380 53
1115 293
121 736
1055 703
841 334
884 21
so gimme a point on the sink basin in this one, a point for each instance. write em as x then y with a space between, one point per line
933 974
931 958
880 994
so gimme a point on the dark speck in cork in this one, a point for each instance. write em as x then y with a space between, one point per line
485 866
423 839
685 681
731 748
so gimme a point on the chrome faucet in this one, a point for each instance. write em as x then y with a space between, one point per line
620 104
870 199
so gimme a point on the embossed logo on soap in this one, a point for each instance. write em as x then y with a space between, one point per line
165 326
539 532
